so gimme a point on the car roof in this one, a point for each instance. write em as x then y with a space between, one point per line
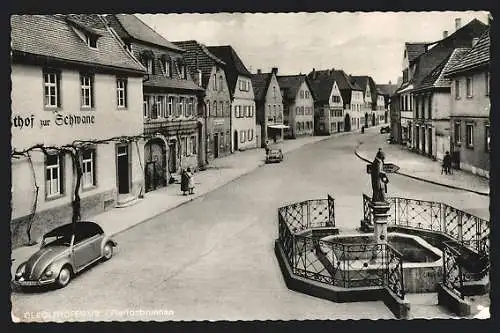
81 227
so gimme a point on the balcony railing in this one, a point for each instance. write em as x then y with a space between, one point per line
170 127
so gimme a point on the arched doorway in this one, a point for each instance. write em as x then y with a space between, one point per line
385 117
235 140
347 123
155 153
366 120
373 119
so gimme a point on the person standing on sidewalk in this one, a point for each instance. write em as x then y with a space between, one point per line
446 163
190 177
266 147
184 182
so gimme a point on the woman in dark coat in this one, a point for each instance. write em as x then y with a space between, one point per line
184 182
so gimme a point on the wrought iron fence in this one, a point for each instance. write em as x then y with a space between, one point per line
347 265
452 270
467 229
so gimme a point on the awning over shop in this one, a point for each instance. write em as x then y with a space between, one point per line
278 126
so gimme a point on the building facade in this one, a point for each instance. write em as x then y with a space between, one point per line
243 121
298 105
328 104
353 99
89 89
170 102
208 72
470 109
269 106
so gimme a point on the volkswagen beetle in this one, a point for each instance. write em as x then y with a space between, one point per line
65 251
274 156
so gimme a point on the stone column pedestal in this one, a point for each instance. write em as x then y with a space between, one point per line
380 219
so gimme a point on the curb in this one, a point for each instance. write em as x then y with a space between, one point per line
358 155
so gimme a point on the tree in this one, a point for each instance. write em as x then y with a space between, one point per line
73 150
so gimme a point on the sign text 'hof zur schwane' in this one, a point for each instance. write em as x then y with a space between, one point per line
59 119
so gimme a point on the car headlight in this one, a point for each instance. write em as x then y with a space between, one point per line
20 270
48 272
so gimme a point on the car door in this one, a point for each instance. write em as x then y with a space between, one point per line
86 247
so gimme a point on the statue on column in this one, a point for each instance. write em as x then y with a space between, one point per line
379 178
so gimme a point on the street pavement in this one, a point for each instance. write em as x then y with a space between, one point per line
212 258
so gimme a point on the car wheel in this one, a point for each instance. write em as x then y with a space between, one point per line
107 252
64 277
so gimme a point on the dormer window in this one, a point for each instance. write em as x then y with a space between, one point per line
91 41
149 65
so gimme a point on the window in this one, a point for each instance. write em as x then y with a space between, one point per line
53 175
307 94
469 135
145 103
88 168
86 83
458 132
221 104
51 85
185 146
170 106
168 68
469 87
302 110
179 107
487 138
242 136
250 136
274 92
220 83
214 110
149 65
335 99
198 74
227 109
457 89
487 83
190 110
160 107
91 41
215 82
121 90
191 147
221 135
301 94
183 71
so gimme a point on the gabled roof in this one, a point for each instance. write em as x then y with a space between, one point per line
478 55
234 65
322 84
387 89
53 36
413 50
436 77
365 80
290 84
130 26
198 56
260 84
442 49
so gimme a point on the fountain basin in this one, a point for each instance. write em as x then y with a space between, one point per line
422 262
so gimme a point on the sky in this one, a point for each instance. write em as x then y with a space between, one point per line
359 43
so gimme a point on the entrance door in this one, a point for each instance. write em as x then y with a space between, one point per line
216 145
366 120
430 140
172 157
235 140
123 170
347 123
373 119
423 140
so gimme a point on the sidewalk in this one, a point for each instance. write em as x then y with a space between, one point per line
422 168
220 172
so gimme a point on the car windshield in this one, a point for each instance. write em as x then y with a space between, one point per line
56 240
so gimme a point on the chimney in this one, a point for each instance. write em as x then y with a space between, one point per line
458 23
474 41
390 82
313 74
259 71
445 34
275 70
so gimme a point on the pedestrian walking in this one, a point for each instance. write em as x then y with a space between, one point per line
190 177
266 147
446 167
184 182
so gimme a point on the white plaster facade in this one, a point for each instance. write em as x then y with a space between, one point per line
243 115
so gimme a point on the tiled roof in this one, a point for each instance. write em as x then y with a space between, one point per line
345 83
478 55
53 36
290 84
413 50
362 81
234 65
322 83
431 59
387 89
260 82
197 56
160 81
436 77
132 26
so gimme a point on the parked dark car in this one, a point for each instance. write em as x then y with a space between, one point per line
274 156
64 252
385 129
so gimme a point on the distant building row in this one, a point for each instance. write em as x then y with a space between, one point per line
443 103
94 77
